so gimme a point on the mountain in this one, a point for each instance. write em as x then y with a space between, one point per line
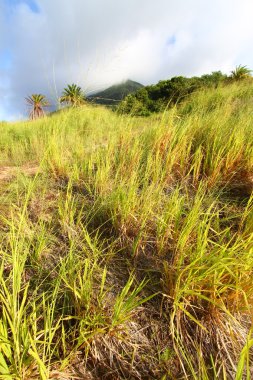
114 94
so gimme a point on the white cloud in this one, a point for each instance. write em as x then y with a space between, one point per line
97 42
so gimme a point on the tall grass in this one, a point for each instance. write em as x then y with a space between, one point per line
130 251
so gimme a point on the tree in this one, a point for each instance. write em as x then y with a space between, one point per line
241 72
134 105
37 102
72 95
213 80
166 93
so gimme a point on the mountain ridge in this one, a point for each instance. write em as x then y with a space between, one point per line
115 93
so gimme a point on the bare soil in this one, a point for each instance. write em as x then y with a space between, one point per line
7 173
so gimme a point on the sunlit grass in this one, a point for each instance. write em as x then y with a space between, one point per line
126 243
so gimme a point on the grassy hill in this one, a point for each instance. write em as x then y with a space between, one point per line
114 94
127 243
166 93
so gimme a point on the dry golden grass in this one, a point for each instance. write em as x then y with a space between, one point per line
126 243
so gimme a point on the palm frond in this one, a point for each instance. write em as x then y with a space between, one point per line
37 102
72 95
240 72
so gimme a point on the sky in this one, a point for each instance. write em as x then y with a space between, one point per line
47 44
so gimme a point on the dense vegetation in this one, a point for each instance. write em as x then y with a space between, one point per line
127 243
167 93
133 98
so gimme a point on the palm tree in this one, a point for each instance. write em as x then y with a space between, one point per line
241 72
73 95
37 102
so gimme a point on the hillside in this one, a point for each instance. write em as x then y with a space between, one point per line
114 94
166 93
127 243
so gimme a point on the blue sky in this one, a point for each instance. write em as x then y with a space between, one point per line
5 59
32 4
45 44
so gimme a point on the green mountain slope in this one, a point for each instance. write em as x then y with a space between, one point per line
157 97
114 94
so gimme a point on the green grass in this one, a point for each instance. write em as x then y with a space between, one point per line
129 251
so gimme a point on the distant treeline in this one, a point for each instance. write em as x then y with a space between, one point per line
155 98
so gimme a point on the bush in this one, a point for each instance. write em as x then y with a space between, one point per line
155 98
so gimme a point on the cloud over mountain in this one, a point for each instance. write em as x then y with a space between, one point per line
45 44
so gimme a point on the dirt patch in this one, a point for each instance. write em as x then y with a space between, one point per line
241 185
9 172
